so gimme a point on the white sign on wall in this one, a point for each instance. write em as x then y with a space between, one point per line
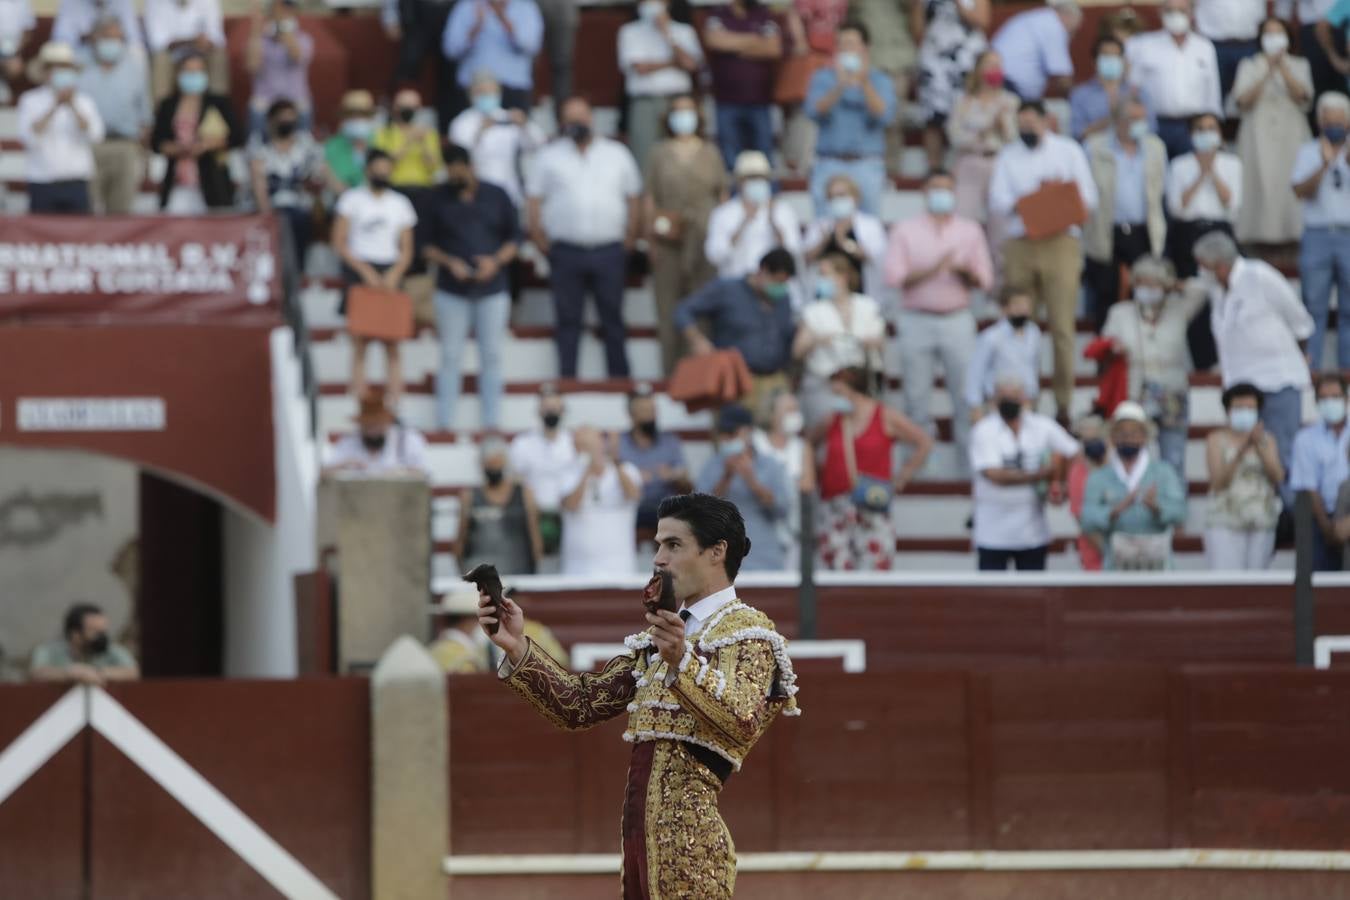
90 414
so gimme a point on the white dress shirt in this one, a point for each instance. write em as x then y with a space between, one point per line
642 42
1019 171
584 196
599 537
544 465
742 258
63 151
705 609
1229 20
1330 206
498 152
844 347
1258 322
169 21
1181 81
1012 517
1181 174
404 448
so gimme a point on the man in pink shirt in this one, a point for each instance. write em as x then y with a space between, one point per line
936 260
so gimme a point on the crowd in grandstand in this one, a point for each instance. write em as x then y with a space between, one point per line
1197 147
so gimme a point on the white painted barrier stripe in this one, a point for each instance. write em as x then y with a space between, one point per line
240 833
953 861
41 741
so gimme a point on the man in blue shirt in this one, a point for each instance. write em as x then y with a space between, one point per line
497 36
756 483
1091 102
1034 46
115 78
1321 465
853 104
658 455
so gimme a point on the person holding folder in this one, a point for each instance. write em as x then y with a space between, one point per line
1043 187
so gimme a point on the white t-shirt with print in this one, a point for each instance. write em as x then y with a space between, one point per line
375 222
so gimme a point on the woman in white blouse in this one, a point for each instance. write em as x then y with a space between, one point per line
840 330
1204 192
848 230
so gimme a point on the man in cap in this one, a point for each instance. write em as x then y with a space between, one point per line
59 127
749 225
381 444
463 648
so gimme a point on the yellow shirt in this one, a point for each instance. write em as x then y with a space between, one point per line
415 169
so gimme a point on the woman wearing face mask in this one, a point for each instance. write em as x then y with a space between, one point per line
1204 193
782 439
1150 329
1245 475
1273 91
658 57
685 182
859 236
1134 500
842 329
498 521
194 130
1091 434
854 530
951 37
286 170
499 140
345 152
414 148
982 121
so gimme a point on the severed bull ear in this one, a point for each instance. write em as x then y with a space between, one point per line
660 593
486 579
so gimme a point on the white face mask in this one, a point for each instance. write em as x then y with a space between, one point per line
1243 419
1176 22
1148 296
793 422
1273 43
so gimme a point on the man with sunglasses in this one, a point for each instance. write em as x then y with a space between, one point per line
1321 179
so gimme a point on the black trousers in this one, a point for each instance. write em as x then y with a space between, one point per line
1032 559
59 197
423 24
1102 279
602 270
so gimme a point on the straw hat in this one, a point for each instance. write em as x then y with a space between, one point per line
373 409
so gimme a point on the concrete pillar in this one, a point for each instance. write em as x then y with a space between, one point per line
410 774
381 528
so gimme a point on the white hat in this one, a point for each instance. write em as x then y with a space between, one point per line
461 600
752 164
55 53
1129 411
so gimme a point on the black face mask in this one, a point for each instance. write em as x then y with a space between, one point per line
1018 322
378 182
405 114
373 442
457 184
98 644
285 128
1009 410
1030 138
647 428
1127 452
578 131
1095 449
493 476
551 420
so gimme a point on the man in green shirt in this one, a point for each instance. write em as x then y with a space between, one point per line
86 655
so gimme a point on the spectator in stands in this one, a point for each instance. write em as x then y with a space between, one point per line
936 260
599 509
860 237
1320 467
194 130
286 172
76 19
1150 331
1273 93
1129 165
744 45
1134 501
749 225
561 20
345 152
782 439
1034 46
1020 459
1010 347
372 235
952 39
381 445
498 139
16 31
1179 72
501 37
498 522
175 26
752 314
685 182
1092 103
60 127
1204 191
982 121
1321 179
462 648
584 210
85 654
1245 475
857 477
1234 27
473 237
277 56
658 58
755 482
114 77
658 455
852 104
542 458
842 329
412 145
1051 266
1325 48
419 26
1259 327
893 52
1090 433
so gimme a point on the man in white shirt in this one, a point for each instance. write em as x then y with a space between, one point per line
1204 192
1052 266
1321 179
583 209
599 510
543 459
658 58
1260 328
1179 71
1034 46
499 140
59 127
173 27
1014 452
381 445
749 225
1234 27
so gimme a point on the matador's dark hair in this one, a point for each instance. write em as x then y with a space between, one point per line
712 520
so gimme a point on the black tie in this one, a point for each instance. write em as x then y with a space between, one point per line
684 615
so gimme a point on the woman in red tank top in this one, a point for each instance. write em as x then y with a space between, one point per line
849 536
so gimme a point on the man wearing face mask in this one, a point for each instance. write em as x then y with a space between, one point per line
1321 179
936 260
1092 103
498 36
1234 26
1020 459
542 459
756 483
85 655
498 520
381 445
277 57
658 57
499 140
1321 466
1179 71
658 455
59 127
749 225
114 77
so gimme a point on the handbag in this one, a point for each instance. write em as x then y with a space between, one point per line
379 314
868 492
668 226
1141 552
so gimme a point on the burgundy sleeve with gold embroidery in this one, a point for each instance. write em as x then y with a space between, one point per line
729 692
569 700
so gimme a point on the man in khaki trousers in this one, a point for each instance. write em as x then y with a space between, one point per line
114 77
